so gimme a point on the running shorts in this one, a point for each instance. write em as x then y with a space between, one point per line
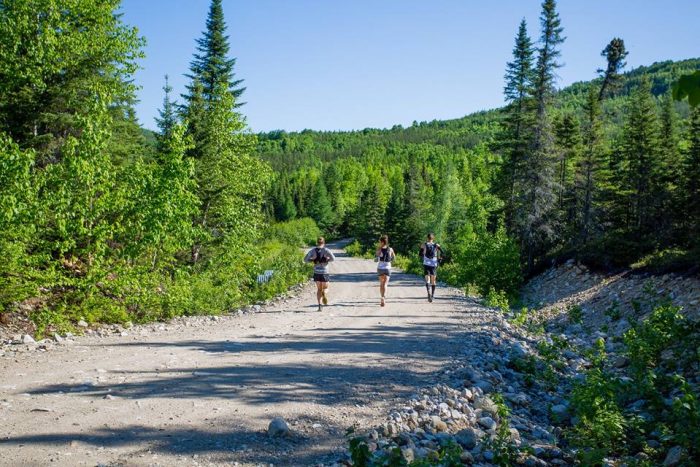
384 272
429 270
321 278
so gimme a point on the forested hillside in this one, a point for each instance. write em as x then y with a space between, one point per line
99 221
457 178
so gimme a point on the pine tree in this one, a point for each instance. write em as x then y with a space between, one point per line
668 172
537 186
568 138
589 167
641 155
320 208
211 64
195 114
167 116
692 179
615 54
519 75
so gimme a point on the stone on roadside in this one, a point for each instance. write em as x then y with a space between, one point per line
278 428
487 422
27 339
82 323
467 438
438 424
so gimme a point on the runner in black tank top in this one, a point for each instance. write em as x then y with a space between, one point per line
384 256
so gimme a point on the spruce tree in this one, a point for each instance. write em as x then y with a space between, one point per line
692 179
589 167
615 54
167 116
211 64
641 155
568 139
668 172
320 208
518 77
536 185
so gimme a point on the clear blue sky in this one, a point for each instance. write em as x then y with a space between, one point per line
332 64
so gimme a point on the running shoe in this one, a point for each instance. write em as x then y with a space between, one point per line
320 307
430 298
381 303
325 298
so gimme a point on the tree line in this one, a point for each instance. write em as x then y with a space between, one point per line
99 223
605 171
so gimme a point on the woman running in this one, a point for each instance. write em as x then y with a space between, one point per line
430 253
320 256
384 256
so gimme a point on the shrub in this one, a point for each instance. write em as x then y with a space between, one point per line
297 232
497 299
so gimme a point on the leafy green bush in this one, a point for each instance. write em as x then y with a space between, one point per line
297 232
575 313
497 299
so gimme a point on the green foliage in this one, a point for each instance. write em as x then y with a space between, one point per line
688 86
297 232
497 299
575 313
661 350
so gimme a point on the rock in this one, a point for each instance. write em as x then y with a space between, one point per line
486 405
467 438
467 458
674 456
57 337
278 428
620 361
484 386
408 455
82 323
27 339
438 424
487 422
560 412
519 350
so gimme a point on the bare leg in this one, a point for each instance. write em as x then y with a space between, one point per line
319 291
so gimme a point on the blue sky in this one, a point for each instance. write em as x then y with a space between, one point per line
340 65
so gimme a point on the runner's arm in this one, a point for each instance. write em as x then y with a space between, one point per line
392 254
308 258
329 255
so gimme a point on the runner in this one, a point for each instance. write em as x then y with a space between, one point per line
430 253
320 256
384 256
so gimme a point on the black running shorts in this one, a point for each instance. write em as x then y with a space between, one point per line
429 270
384 272
321 278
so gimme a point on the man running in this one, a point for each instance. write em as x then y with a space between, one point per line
320 256
430 253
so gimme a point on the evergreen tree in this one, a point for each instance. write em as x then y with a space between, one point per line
536 186
568 139
641 155
692 179
195 114
211 65
589 167
668 174
231 179
615 54
320 208
519 75
167 116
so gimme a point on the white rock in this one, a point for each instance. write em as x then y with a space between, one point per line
278 428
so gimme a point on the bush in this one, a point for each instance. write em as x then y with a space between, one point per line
497 299
297 232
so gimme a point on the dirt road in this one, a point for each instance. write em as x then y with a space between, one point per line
203 394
